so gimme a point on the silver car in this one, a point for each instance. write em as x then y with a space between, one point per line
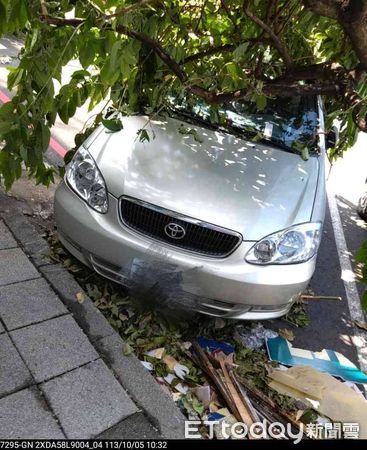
230 208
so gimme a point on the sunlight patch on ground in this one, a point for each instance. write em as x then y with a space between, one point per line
348 275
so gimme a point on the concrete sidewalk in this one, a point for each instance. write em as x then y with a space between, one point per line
53 381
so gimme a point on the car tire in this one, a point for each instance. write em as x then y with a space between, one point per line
362 207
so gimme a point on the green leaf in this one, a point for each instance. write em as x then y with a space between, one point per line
46 135
364 301
143 135
69 156
6 110
72 105
190 131
5 127
114 55
127 349
112 124
239 52
305 154
361 255
261 102
86 54
14 77
23 151
63 112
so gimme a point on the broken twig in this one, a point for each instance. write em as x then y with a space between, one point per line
320 297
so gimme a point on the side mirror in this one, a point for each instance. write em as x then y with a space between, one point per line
332 137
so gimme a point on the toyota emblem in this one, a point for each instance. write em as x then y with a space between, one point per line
174 231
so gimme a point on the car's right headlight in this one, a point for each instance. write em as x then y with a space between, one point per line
84 177
293 245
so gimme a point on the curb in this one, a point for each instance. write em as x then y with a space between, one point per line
134 378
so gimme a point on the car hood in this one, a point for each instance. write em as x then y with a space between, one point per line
251 188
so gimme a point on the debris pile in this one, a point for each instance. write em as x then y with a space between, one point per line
236 391
220 371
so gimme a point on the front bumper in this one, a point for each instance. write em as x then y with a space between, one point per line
228 287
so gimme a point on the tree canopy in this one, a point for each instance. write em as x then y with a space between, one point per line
135 52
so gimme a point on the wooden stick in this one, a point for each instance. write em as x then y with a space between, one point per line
267 404
320 297
245 399
243 412
209 369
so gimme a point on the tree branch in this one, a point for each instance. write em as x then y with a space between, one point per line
276 89
61 22
278 44
128 8
337 81
272 5
157 49
327 71
209 52
222 48
153 44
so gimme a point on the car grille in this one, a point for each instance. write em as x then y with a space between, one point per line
199 237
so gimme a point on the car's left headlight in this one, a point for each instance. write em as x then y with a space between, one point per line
290 246
86 180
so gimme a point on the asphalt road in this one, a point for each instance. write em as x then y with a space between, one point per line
331 322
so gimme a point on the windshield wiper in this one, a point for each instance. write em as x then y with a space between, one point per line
194 119
277 143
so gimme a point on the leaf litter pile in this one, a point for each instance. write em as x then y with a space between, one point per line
212 368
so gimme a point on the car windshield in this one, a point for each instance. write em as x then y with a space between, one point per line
288 122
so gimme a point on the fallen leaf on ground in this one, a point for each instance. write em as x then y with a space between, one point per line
126 349
80 296
361 325
219 323
156 353
287 334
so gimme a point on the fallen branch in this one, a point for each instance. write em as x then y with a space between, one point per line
337 81
320 297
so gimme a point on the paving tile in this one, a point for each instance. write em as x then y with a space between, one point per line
28 302
88 400
33 244
53 347
143 388
89 318
6 238
14 375
15 267
136 426
25 415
